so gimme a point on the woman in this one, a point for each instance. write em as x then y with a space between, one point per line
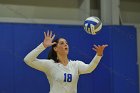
62 74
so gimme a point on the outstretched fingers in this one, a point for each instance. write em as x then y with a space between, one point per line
94 49
104 46
98 47
95 46
45 34
48 33
53 36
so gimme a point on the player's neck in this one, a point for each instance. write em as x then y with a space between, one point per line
63 59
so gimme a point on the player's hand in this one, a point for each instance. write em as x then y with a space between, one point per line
48 38
99 49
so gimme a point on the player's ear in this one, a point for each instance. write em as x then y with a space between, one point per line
55 49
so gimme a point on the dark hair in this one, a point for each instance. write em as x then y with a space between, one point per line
52 54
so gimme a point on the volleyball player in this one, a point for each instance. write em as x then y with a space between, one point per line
62 73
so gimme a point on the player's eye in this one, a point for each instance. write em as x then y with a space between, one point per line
67 43
61 43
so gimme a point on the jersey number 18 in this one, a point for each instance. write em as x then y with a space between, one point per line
67 77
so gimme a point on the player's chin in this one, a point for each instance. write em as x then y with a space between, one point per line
66 52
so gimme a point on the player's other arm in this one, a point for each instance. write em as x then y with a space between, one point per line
88 68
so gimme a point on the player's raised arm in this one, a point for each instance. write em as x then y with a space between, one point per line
88 68
31 58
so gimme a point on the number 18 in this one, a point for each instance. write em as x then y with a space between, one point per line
67 77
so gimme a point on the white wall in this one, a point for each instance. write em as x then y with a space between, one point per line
130 17
18 11
130 12
130 6
33 12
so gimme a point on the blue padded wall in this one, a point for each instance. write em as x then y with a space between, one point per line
125 79
116 73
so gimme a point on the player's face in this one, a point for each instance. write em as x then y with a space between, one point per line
62 47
